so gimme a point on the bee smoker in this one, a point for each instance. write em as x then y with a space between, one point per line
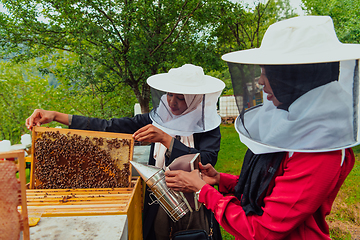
170 200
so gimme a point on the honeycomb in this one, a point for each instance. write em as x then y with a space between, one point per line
10 198
70 160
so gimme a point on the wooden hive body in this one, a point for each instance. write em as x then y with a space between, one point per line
100 183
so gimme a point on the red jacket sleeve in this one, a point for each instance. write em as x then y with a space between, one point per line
302 184
227 183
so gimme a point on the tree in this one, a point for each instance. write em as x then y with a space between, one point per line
85 99
345 15
22 90
118 41
239 27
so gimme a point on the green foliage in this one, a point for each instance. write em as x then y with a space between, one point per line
345 14
118 42
24 88
89 100
121 43
21 91
284 10
238 26
224 75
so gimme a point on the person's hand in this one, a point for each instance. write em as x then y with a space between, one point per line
209 174
152 134
39 117
183 181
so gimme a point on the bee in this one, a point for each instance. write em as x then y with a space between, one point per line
72 161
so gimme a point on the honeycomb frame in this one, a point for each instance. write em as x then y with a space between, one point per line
71 158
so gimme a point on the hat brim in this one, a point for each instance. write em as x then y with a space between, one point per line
160 82
261 56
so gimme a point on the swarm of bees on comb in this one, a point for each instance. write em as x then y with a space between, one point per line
74 161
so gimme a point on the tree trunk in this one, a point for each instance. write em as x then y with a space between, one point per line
143 97
144 103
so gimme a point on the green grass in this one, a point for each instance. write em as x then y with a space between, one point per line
232 151
351 185
27 173
230 160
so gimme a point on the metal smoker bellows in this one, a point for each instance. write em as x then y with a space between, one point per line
170 200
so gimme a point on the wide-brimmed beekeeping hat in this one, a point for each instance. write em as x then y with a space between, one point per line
187 79
299 40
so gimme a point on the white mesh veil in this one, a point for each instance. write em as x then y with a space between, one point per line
201 115
201 93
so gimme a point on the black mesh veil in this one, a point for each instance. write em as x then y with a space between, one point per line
244 79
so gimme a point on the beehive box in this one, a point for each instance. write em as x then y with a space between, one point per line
13 210
84 173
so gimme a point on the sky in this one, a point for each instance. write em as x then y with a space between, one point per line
294 4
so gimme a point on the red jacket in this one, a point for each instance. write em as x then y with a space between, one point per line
298 198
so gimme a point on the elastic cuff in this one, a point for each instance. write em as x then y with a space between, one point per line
70 116
169 151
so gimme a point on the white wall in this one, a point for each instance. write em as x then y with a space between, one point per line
137 109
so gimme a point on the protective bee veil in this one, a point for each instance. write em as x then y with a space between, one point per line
310 102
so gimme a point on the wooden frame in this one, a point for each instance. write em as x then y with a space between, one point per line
89 201
84 133
20 156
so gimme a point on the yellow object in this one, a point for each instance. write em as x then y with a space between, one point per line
28 159
34 217
33 221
